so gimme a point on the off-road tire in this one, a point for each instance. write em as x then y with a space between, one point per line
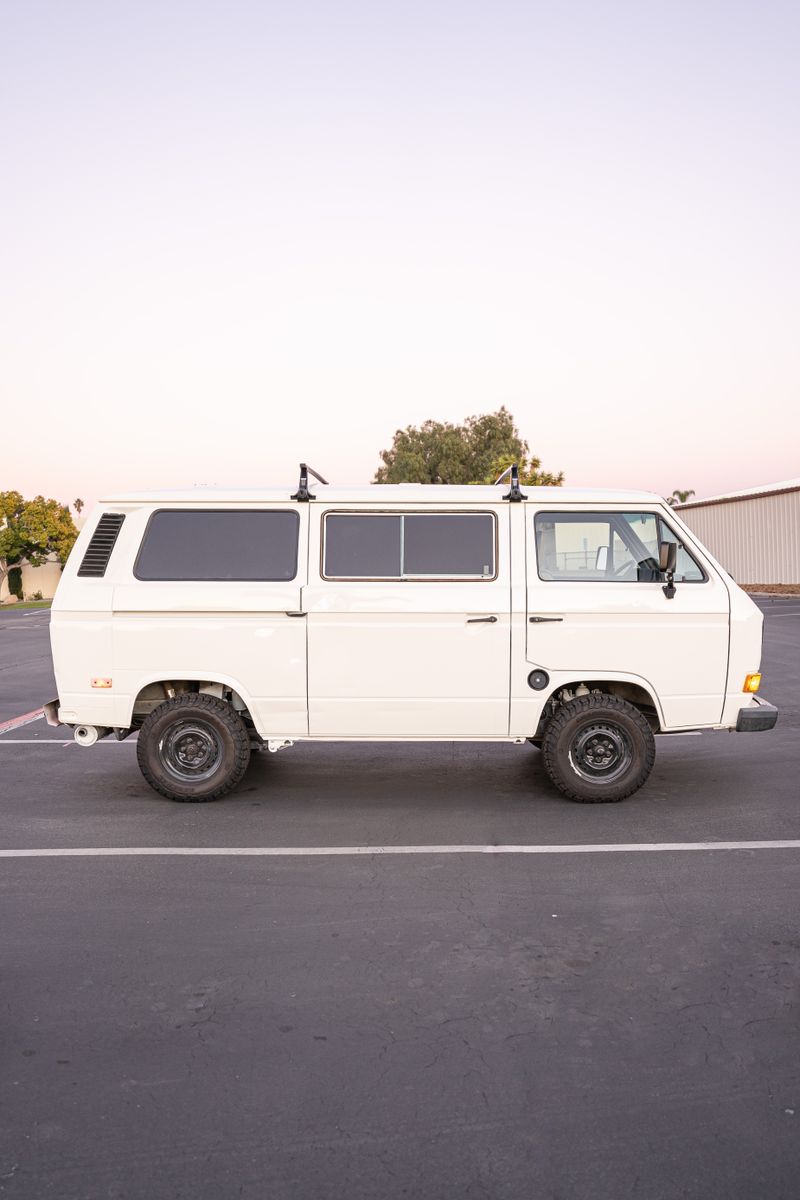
193 748
598 749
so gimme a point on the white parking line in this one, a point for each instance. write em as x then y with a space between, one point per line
338 851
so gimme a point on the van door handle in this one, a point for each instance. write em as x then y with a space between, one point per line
297 614
481 620
539 620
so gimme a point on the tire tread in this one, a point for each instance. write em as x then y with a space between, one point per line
588 704
193 701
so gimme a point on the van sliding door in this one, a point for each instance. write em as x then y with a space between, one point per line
409 623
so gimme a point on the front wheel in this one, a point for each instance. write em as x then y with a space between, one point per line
193 748
598 748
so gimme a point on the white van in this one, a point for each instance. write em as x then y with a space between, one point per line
217 622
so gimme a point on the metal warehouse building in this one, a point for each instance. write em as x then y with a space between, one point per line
755 534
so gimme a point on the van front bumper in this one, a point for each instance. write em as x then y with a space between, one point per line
757 716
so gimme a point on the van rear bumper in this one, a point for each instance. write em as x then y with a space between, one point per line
756 717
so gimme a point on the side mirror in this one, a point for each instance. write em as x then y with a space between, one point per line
667 562
667 556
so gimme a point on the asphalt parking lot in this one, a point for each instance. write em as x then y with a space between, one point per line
580 1020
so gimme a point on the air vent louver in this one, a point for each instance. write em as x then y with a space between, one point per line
95 560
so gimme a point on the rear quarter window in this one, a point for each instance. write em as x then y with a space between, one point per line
215 545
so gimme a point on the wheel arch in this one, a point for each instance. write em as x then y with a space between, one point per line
154 689
636 691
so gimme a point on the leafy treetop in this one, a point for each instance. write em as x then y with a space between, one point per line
32 530
679 497
476 452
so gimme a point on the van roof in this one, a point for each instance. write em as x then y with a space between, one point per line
383 493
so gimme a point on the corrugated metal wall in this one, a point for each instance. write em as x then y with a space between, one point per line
756 540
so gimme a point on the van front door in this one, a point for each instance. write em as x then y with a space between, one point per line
409 624
597 609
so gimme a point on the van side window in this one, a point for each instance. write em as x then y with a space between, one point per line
603 547
409 546
239 545
362 546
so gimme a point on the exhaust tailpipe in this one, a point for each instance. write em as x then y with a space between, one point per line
87 735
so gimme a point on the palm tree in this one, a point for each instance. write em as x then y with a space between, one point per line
77 505
679 497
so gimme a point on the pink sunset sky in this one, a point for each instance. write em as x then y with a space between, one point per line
234 236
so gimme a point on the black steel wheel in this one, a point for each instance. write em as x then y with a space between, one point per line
193 748
598 749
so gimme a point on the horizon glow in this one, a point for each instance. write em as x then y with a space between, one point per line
234 238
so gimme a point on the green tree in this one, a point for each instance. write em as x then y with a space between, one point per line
15 582
32 530
78 505
679 497
475 452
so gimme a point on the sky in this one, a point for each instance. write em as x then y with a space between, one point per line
237 235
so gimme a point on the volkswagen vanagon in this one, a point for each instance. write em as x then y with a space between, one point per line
215 622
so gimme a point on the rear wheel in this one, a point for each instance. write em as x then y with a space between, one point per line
598 749
193 748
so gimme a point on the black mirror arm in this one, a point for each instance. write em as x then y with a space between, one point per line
668 561
669 587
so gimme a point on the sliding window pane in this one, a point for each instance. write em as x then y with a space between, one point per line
442 544
362 547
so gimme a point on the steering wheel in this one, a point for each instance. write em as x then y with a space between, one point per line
624 569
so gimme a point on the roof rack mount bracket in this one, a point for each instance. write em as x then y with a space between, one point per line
514 493
302 492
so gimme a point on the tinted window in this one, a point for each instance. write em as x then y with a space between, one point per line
259 546
448 544
362 546
438 545
621 547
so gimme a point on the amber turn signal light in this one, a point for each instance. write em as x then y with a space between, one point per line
752 682
106 683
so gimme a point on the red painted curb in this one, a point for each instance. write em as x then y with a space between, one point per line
26 719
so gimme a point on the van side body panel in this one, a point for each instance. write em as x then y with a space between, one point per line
400 658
